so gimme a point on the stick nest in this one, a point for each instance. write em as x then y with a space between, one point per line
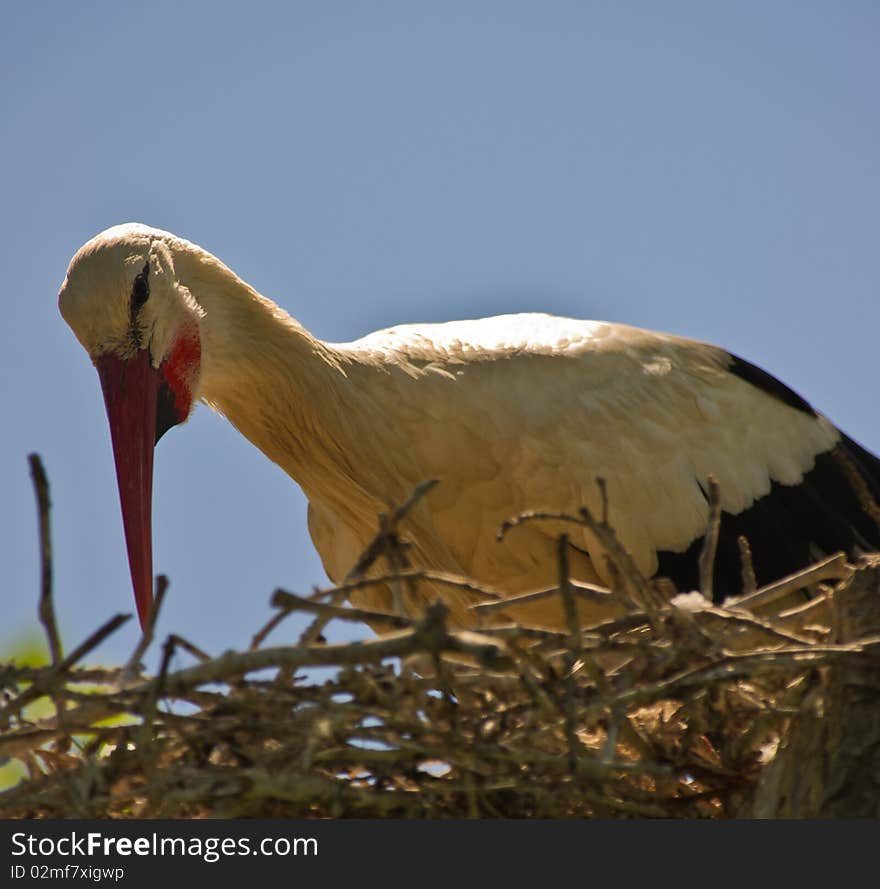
671 708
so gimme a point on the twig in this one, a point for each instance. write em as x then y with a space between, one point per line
440 578
589 592
378 545
858 484
291 602
146 748
636 585
603 495
832 568
260 636
747 566
425 636
44 682
634 588
47 609
535 515
574 644
12 674
186 645
751 622
734 666
398 562
134 662
710 542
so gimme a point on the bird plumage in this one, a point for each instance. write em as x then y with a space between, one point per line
510 413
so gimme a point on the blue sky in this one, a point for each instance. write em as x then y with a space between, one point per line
709 169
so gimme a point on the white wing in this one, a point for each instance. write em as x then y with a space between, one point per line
525 412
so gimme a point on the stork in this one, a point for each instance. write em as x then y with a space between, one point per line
509 413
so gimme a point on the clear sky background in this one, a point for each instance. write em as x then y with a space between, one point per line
704 168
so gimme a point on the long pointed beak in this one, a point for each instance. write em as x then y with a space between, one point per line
130 393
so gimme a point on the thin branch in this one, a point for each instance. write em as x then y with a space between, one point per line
146 748
134 662
427 635
634 587
378 545
832 568
440 578
637 587
603 496
291 602
187 646
47 608
574 644
747 566
44 682
710 542
746 665
587 591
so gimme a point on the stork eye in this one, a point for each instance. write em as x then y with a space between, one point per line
140 290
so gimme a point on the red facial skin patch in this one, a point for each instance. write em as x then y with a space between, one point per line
180 370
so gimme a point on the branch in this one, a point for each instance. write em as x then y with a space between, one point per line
832 568
44 682
710 543
47 608
134 662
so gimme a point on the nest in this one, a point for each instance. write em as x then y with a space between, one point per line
677 708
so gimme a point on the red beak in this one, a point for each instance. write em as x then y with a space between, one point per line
131 390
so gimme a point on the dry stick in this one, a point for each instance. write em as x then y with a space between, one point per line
749 621
584 519
858 484
376 547
617 718
13 674
47 608
44 682
407 750
134 662
514 630
636 587
645 594
397 562
80 720
146 748
186 645
578 589
833 568
735 666
291 602
747 566
425 636
574 643
710 542
440 578
260 636
603 494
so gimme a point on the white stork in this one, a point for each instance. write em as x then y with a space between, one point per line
510 413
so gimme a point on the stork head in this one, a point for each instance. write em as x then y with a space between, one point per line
140 326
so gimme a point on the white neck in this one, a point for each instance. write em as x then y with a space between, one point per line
282 388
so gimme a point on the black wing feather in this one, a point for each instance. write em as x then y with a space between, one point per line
834 508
